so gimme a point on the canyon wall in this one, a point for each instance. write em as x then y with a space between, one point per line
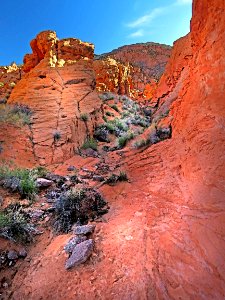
59 87
185 244
144 64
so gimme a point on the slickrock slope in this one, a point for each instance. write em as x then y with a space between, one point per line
59 87
146 62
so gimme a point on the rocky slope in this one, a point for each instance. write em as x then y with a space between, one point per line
163 236
145 62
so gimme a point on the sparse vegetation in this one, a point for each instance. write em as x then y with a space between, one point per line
122 140
141 143
19 180
15 114
57 135
106 96
14 224
84 117
77 205
90 144
1 84
114 106
114 178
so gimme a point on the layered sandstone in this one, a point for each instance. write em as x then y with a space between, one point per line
58 87
113 76
147 63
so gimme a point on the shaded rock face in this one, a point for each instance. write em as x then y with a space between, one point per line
58 87
146 63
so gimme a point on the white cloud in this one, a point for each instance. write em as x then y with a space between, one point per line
147 19
183 2
138 33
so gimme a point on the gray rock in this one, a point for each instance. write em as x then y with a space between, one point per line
1 200
71 168
80 254
98 178
12 255
37 214
42 182
84 229
73 242
23 253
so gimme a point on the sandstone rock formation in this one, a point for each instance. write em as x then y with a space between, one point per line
59 87
163 237
9 76
146 62
113 76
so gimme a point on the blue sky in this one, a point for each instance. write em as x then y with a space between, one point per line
107 24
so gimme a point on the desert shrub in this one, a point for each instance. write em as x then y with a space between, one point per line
141 143
38 172
1 84
14 224
105 119
90 144
109 114
122 176
122 140
77 205
84 117
114 106
106 96
114 178
57 135
101 134
15 114
19 180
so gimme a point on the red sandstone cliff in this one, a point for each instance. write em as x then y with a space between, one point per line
146 63
59 87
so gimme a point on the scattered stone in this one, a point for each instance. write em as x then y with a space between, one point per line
23 253
73 242
98 178
80 254
37 214
43 183
84 229
71 168
12 255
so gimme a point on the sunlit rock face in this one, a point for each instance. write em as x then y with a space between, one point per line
186 239
146 63
59 86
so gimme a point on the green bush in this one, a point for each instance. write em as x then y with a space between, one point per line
77 205
15 114
19 180
14 224
84 117
90 144
122 140
141 143
114 106
57 135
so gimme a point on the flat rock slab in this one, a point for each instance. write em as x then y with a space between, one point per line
80 254
84 229
42 182
73 242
